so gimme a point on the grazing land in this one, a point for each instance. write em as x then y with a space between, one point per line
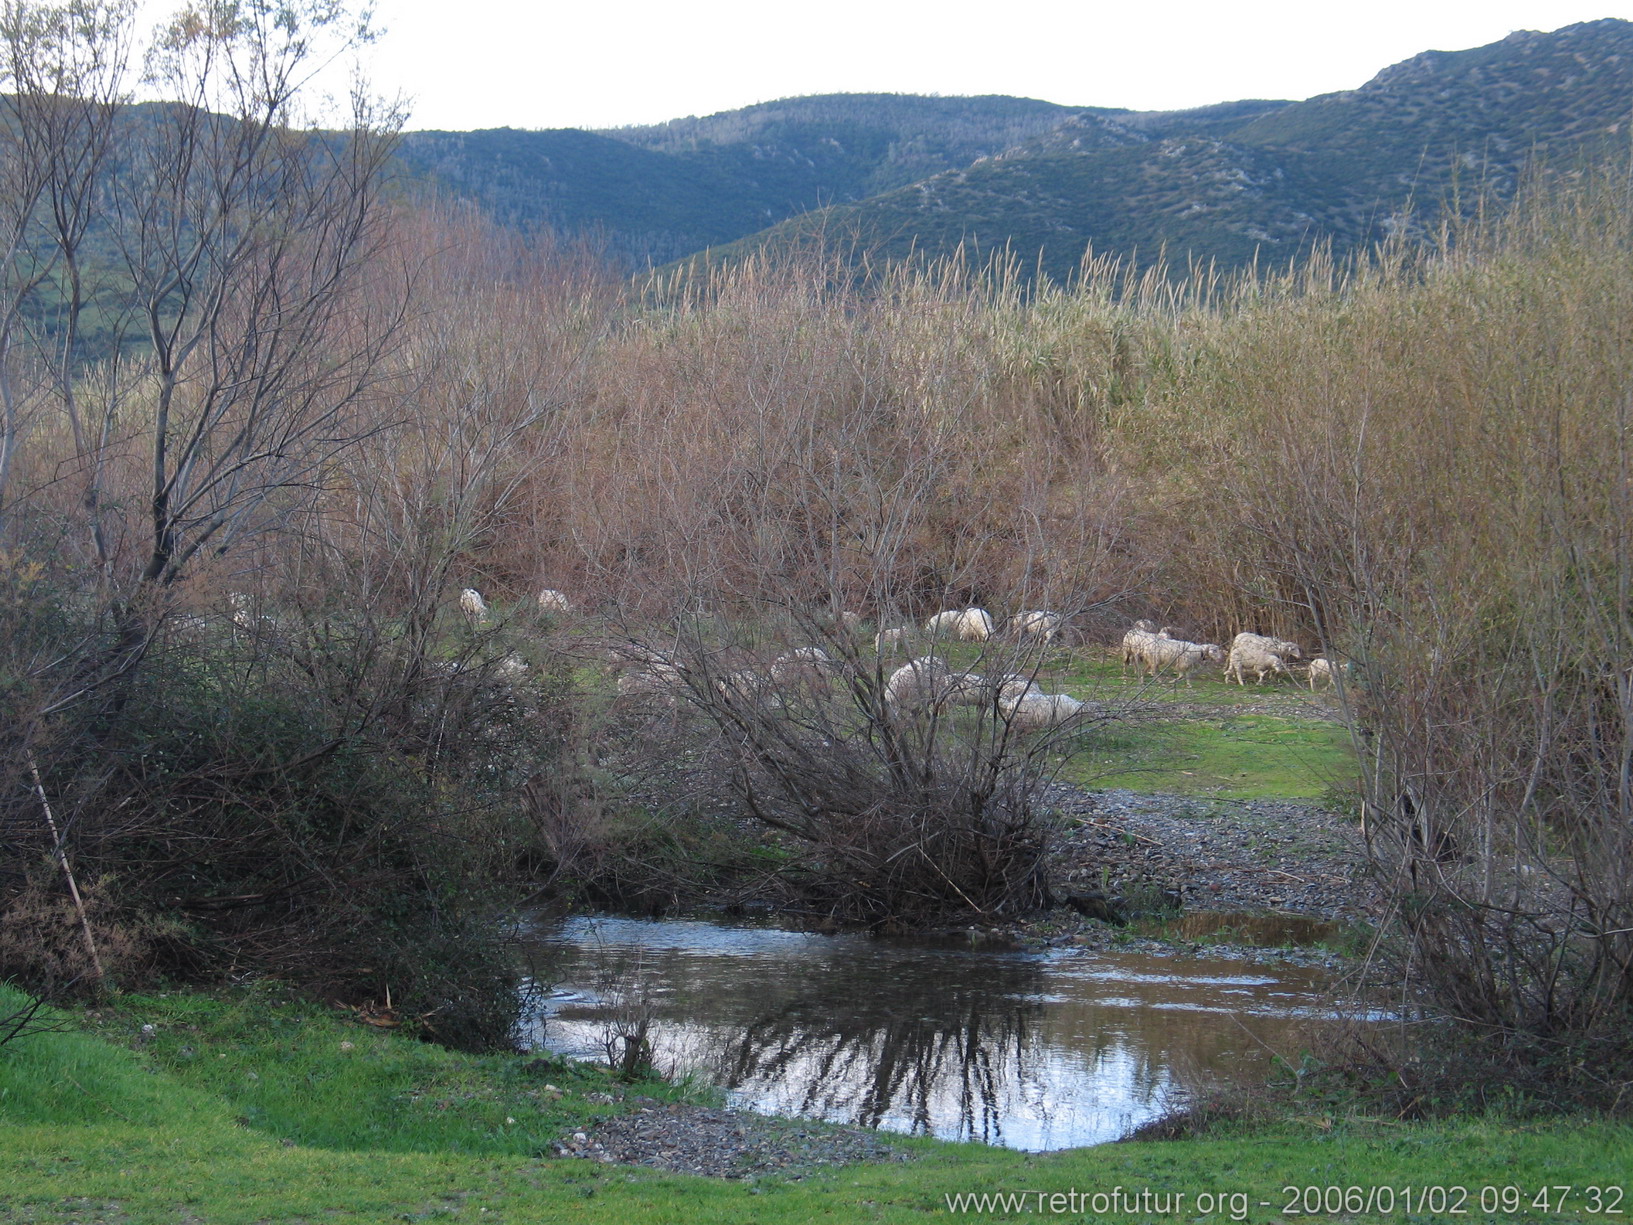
254 1107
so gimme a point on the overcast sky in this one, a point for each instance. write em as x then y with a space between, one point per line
466 64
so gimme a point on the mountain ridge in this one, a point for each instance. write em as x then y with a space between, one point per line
897 174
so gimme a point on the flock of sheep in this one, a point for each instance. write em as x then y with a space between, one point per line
1158 650
475 607
929 680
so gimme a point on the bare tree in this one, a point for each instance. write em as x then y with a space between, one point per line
67 67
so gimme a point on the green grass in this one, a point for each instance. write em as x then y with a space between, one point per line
1234 757
92 1130
317 1076
1207 738
1197 740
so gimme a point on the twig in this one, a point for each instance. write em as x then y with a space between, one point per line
67 870
1114 829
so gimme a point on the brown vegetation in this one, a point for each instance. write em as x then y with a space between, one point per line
236 511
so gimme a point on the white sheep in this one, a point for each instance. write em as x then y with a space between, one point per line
1325 670
1140 635
1276 646
802 664
243 610
917 682
1249 656
898 636
551 600
744 686
975 625
512 667
1014 686
1179 655
1035 712
964 624
473 606
967 689
631 653
1037 624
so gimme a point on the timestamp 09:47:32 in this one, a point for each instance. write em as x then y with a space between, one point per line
1453 1200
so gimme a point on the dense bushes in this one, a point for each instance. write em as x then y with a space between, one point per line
227 814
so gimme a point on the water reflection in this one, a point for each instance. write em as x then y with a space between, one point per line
1030 1051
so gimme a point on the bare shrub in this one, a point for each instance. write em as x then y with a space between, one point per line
895 809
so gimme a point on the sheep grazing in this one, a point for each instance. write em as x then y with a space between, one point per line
245 617
964 624
1038 624
918 682
473 606
802 664
1036 712
1247 656
967 689
1181 656
1013 686
1323 670
1260 654
1140 636
899 636
551 600
1276 646
745 686
631 653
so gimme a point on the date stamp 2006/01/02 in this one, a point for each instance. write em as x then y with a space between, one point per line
1384 1200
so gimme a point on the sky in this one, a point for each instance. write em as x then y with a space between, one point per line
466 64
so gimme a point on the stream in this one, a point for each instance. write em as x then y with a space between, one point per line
1028 1050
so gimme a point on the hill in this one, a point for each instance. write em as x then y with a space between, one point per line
654 194
1242 181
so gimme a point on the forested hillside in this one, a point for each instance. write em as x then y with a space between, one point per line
657 193
892 174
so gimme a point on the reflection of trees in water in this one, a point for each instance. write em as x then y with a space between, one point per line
948 1041
919 1049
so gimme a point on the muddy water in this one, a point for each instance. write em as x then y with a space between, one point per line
1027 1050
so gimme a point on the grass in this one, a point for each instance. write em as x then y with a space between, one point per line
1197 740
1234 757
1208 738
92 1130
316 1076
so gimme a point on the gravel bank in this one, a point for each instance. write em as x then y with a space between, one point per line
724 1143
1252 855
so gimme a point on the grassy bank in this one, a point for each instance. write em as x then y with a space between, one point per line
250 1108
1208 737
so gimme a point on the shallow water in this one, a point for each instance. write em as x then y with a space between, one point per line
1028 1050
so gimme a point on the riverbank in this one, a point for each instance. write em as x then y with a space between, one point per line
249 1108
